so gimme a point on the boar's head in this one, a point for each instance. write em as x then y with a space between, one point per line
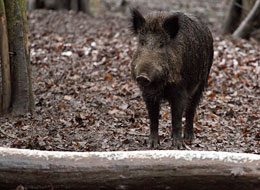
152 61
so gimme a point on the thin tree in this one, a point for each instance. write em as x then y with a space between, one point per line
5 67
243 18
21 99
76 5
244 29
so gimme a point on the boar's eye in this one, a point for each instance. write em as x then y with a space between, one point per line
161 45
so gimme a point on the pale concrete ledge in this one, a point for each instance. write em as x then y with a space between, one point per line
153 169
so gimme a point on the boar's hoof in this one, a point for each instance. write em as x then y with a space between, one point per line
143 80
188 136
154 141
177 142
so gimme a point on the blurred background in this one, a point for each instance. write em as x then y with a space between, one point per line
223 15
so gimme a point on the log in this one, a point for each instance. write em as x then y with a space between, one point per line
155 169
245 28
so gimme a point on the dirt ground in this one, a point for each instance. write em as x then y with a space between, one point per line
86 101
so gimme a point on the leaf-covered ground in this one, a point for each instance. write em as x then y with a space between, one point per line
86 101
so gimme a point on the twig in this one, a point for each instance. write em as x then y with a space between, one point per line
253 60
135 134
6 134
131 133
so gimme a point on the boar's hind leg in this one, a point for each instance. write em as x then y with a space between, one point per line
153 107
178 104
190 112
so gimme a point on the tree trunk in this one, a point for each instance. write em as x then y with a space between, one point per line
155 169
247 6
80 5
233 17
239 10
31 4
22 98
84 6
74 5
63 4
245 28
97 7
5 67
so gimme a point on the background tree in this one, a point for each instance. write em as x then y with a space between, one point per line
5 91
92 7
76 5
243 19
16 93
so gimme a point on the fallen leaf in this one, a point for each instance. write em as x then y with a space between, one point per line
63 105
165 115
67 97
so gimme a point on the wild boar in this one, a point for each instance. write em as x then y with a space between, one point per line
172 62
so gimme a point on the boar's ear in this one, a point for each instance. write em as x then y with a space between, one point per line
171 25
137 20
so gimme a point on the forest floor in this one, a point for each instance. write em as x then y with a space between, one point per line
86 101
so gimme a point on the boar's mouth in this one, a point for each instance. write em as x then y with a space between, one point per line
150 87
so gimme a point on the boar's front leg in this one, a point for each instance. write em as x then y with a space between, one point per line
153 107
190 112
178 104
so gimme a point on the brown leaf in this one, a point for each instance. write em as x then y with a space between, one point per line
108 77
212 115
62 105
212 95
165 115
67 97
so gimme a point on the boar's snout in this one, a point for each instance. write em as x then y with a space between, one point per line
143 80
147 73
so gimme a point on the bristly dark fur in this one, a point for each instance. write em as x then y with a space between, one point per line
175 52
